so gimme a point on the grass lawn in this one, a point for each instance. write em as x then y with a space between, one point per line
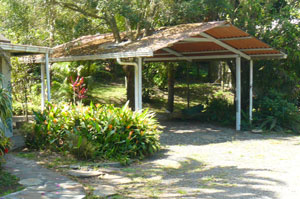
115 93
8 183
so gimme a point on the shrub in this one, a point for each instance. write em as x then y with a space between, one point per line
4 146
218 109
81 147
113 132
5 115
274 112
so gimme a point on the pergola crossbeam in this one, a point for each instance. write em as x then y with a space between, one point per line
235 38
208 57
93 57
24 48
195 39
219 51
271 56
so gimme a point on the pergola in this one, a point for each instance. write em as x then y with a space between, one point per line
10 50
218 40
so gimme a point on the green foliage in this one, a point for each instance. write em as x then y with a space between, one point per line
25 87
220 110
5 115
274 112
81 147
8 183
113 132
5 106
5 145
154 75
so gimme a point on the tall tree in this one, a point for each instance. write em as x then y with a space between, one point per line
137 18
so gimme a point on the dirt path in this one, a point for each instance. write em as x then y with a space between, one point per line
202 161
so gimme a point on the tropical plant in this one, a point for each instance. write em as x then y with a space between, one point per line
218 109
5 115
113 132
79 90
275 113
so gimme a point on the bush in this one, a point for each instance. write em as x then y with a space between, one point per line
113 132
274 112
218 109
5 115
4 146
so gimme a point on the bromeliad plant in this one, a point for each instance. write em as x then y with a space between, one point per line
79 90
113 132
4 145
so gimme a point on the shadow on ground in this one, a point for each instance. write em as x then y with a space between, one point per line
197 133
190 178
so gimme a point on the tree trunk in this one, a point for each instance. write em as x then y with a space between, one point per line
129 71
171 82
188 85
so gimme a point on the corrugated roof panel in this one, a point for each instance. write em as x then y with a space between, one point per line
226 32
196 47
168 37
246 43
262 52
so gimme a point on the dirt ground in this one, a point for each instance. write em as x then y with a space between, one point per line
204 161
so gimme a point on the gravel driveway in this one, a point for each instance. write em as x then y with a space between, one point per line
203 161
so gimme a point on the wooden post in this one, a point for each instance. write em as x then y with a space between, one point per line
238 93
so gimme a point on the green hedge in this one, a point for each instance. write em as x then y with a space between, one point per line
96 130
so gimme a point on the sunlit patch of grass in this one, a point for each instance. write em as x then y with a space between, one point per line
108 93
180 191
218 180
27 155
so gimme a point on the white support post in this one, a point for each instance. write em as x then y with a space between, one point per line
140 93
48 77
238 93
251 91
136 88
42 87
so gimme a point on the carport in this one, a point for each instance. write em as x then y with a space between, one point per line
8 50
218 40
